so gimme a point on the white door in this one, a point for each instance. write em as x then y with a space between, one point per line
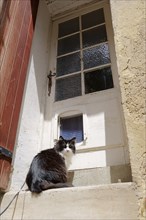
84 100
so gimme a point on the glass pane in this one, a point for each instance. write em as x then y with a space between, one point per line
72 127
68 27
69 44
68 87
97 80
93 18
68 64
94 36
96 56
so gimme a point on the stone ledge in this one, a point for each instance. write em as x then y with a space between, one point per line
111 201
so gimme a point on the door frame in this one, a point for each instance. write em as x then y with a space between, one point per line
101 95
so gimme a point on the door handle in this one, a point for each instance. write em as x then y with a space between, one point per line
50 75
5 153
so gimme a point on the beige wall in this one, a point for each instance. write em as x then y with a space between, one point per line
129 33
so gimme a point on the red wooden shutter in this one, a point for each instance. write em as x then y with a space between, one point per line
16 33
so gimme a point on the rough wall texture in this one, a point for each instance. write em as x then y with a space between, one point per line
128 18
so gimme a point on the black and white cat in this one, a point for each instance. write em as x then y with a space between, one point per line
49 167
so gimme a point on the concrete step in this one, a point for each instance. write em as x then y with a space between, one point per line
100 175
108 202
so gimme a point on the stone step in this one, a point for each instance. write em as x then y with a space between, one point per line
111 201
100 175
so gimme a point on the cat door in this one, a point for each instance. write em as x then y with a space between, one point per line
72 127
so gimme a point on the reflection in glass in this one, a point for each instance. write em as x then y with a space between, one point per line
72 127
94 36
68 64
69 44
97 80
68 87
93 18
96 56
68 27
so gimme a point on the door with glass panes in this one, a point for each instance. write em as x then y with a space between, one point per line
84 99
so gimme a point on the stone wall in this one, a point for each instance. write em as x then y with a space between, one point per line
129 35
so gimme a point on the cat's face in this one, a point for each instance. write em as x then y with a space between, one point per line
66 147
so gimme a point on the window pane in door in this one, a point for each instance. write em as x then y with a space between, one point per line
68 64
96 56
69 44
72 127
68 27
93 18
97 80
68 87
94 36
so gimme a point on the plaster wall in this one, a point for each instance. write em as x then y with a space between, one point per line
31 120
128 18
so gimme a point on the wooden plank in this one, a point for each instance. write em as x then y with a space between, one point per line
10 115
15 76
6 26
9 59
8 107
18 83
14 72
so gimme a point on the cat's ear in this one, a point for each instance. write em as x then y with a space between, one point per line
61 138
73 139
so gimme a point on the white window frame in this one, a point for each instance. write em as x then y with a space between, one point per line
110 41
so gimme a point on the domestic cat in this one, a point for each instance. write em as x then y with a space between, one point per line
49 167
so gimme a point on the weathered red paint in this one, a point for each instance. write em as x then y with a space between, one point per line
14 62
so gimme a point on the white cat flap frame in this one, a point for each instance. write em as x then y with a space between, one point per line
70 113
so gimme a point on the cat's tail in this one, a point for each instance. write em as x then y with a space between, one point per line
38 187
49 185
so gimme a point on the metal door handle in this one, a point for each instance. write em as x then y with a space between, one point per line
50 75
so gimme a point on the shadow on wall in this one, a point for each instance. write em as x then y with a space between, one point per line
40 56
36 81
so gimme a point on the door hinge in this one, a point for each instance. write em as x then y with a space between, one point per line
5 153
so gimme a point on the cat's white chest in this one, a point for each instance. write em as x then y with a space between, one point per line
67 154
